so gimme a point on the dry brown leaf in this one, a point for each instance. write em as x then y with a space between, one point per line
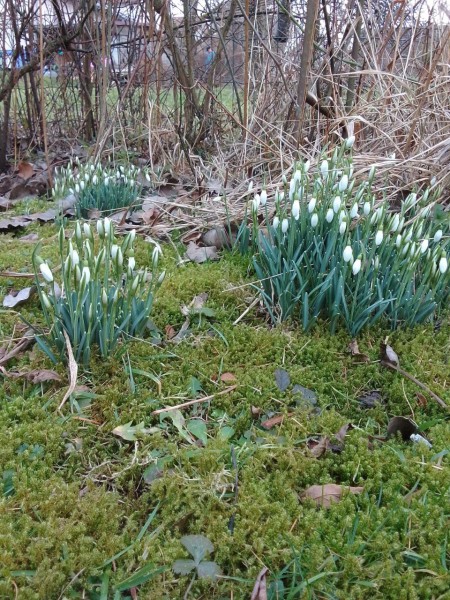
218 237
29 237
388 355
13 223
421 400
16 298
320 447
200 255
354 351
25 170
73 371
269 423
328 494
170 332
27 340
36 376
260 588
340 435
227 377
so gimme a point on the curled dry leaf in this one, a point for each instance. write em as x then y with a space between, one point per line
200 255
388 356
269 423
227 377
260 588
16 298
328 494
36 376
218 237
353 348
6 354
404 425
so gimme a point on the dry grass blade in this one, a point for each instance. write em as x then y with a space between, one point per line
73 372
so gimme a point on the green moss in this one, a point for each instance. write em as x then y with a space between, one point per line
79 495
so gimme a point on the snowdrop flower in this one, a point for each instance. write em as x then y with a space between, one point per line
95 180
398 241
87 231
296 209
376 262
147 176
132 236
366 208
443 264
409 235
343 227
336 204
324 169
46 272
395 223
348 254
284 225
354 211
156 253
306 166
297 176
104 297
131 263
135 284
437 236
378 237
46 301
119 257
349 142
85 276
433 180
371 173
256 202
312 205
343 184
342 216
284 179
78 235
82 185
107 226
100 229
356 266
92 168
74 258
114 251
71 191
276 222
314 220
77 188
263 197
330 215
292 186
405 249
250 187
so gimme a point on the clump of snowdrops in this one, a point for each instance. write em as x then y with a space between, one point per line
99 188
101 294
331 251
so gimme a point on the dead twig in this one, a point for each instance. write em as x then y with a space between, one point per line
416 381
196 401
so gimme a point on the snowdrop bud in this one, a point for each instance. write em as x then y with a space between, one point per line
78 235
336 204
405 249
379 237
297 176
395 222
92 168
330 215
74 258
86 177
250 187
85 276
284 179
409 235
135 284
426 209
292 189
342 216
71 190
312 205
119 258
284 225
376 262
343 227
147 176
87 231
104 298
419 231
100 229
132 237
324 169
46 301
374 218
398 241
437 236
354 211
256 202
46 272
412 250
95 180
424 246
108 227
371 173
348 254
349 142
306 166
343 184
263 197
314 220
433 180
131 263
114 251
161 277
77 188
356 266
366 208
276 222
443 264
155 254
82 185
296 209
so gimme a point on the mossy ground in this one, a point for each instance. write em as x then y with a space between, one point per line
76 494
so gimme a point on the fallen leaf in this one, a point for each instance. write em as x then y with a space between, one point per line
319 447
25 170
13 223
170 332
218 237
328 494
255 411
388 355
269 423
182 333
94 214
354 351
45 217
29 237
404 425
421 400
128 432
340 435
16 298
305 392
27 340
199 254
370 399
260 588
282 379
227 377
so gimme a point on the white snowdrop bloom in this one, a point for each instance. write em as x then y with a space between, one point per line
114 251
379 237
324 168
119 257
366 208
250 186
82 185
371 173
376 262
87 230
92 168
77 188
85 275
343 227
95 180
356 266
314 220
284 225
433 180
74 258
132 236
409 235
276 222
71 190
256 202
46 301
398 240
342 216
292 187
405 249
343 184
395 222
330 215
107 226
306 166
147 176
349 142
347 254
100 228
336 204
296 210
106 182
312 205
86 177
437 236
156 253
443 264
263 197
131 263
374 218
297 176
354 211
122 170
46 272
424 246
